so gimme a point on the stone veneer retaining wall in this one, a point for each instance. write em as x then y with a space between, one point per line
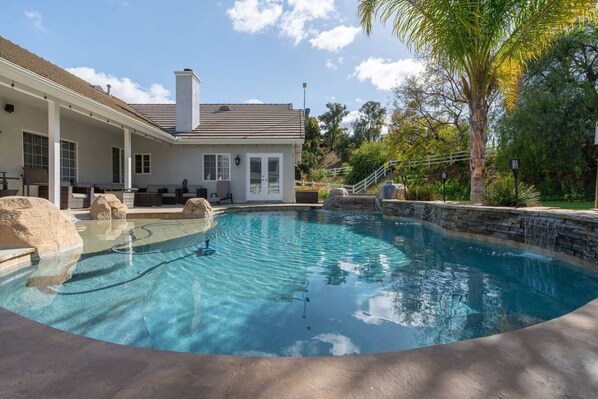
362 203
572 235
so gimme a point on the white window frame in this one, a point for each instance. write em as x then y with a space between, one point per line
149 172
203 166
45 135
121 164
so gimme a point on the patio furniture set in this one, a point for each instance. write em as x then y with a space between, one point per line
81 195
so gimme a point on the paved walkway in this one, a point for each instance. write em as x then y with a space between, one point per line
556 359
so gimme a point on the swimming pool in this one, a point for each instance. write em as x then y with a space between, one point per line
293 283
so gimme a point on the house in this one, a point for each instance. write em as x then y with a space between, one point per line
51 119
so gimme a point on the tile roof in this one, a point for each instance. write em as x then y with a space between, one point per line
36 64
256 121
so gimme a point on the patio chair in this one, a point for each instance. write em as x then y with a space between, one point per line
33 177
71 197
193 191
222 192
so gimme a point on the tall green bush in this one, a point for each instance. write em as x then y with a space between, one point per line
365 160
502 193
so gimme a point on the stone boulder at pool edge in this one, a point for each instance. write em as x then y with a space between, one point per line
28 222
108 207
197 208
340 191
395 191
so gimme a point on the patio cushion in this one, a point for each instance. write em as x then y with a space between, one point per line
79 195
154 188
172 188
169 195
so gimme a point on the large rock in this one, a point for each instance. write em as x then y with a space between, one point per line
108 207
197 208
28 222
338 191
392 191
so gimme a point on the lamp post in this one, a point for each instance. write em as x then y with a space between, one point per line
443 177
304 90
404 180
515 164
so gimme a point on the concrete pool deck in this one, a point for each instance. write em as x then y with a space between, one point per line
555 359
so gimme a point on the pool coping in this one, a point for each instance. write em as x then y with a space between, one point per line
554 359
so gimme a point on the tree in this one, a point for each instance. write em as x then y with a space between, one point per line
433 100
368 126
428 117
312 135
487 43
331 121
311 152
552 128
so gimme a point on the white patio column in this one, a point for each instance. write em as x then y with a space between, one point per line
54 152
128 161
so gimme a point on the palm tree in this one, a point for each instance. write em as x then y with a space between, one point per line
485 42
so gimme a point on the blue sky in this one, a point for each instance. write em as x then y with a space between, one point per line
244 50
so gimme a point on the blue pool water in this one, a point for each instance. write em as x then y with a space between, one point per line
300 283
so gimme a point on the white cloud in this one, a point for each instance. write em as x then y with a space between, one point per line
254 101
254 15
303 11
359 100
35 20
124 88
330 64
330 98
335 39
385 74
291 17
351 117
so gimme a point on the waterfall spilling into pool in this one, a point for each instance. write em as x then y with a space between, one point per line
294 283
541 232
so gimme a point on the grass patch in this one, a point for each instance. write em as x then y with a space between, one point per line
579 206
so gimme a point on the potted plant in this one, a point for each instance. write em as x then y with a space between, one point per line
306 195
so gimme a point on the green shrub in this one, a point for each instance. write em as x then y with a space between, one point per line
454 190
323 193
502 193
423 192
365 160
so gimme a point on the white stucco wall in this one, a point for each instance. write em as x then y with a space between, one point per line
172 164
94 142
169 164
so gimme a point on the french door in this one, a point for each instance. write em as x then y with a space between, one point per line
264 177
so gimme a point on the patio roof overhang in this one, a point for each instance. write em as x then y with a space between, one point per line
27 82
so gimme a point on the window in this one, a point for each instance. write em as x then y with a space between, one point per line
142 164
35 155
216 167
118 165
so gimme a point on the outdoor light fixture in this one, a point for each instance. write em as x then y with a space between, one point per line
237 160
10 108
443 177
515 164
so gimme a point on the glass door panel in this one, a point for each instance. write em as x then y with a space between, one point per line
255 175
273 175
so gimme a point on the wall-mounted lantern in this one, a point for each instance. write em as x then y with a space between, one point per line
237 160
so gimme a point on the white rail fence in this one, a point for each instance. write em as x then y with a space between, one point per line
388 168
